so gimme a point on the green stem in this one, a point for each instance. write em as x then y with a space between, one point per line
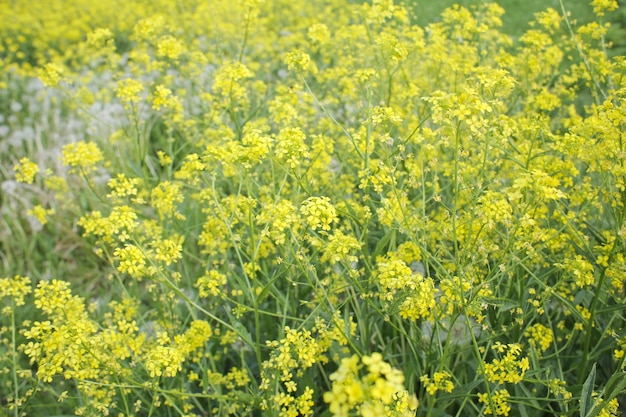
13 361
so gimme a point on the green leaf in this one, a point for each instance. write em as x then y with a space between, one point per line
614 387
586 404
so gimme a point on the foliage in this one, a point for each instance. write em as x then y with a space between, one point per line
312 208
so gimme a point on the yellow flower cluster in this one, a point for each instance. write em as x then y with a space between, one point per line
292 356
25 171
540 336
131 260
499 399
211 284
129 90
165 198
278 220
51 74
41 213
291 147
82 156
510 368
319 213
123 187
375 393
580 269
414 293
15 288
339 248
289 183
440 381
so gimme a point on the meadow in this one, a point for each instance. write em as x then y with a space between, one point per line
312 208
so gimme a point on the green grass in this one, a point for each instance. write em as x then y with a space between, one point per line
518 12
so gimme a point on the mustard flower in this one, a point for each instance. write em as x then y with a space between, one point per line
227 80
169 47
53 295
557 387
385 115
510 368
122 187
95 224
256 146
131 260
578 268
237 378
372 387
298 61
160 97
166 197
192 165
100 37
415 294
600 7
149 28
291 356
441 381
194 338
164 361
122 219
129 90
539 336
211 284
290 146
339 247
164 159
16 288
168 250
500 402
82 156
318 33
51 74
611 410
319 213
409 252
25 171
41 214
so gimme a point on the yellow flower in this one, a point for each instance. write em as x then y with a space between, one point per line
510 368
16 288
121 186
169 47
41 213
319 213
441 381
129 90
168 250
297 60
82 155
339 247
500 402
51 74
600 7
166 197
131 260
25 171
211 283
380 388
539 336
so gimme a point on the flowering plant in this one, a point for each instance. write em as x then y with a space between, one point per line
291 208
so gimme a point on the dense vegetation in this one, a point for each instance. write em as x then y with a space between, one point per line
291 208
